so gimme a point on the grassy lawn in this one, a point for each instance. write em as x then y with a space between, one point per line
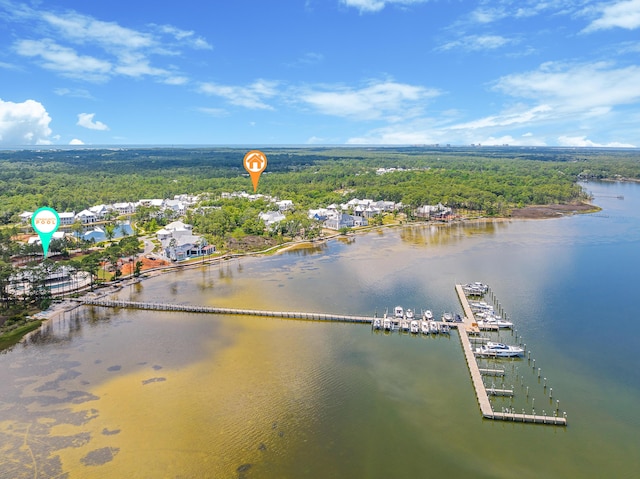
12 337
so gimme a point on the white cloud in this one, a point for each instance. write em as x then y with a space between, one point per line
588 88
73 92
84 28
94 50
64 60
582 141
252 96
85 120
187 36
509 118
25 123
476 43
75 141
215 112
388 99
371 6
625 14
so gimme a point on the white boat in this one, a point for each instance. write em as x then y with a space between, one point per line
424 327
409 314
447 317
444 328
387 323
405 324
433 327
415 327
499 350
475 289
398 312
427 315
377 323
496 321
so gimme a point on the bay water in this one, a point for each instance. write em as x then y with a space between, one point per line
140 394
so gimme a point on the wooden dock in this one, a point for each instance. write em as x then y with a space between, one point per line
190 308
476 376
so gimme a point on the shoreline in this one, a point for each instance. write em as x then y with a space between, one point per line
64 305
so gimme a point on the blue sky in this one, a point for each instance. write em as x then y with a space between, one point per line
252 72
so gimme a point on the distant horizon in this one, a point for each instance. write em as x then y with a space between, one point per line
240 146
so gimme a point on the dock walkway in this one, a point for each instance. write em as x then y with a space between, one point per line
190 308
476 376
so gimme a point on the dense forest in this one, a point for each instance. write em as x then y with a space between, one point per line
485 179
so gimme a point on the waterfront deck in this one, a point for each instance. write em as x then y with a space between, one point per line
476 376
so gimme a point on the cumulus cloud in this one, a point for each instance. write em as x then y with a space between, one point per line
625 14
85 120
75 141
25 123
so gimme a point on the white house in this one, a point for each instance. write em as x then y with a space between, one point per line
284 205
26 216
271 217
86 217
339 221
179 242
100 211
67 218
124 208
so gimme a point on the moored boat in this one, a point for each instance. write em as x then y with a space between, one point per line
376 323
427 315
499 350
387 323
424 327
398 312
415 327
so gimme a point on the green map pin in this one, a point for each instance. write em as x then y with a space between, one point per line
45 222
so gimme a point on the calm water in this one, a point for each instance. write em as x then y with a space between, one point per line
107 393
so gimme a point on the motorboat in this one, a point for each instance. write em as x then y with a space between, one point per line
377 323
387 323
444 328
447 317
496 321
415 327
405 324
424 327
475 289
499 350
398 312
427 315
409 314
433 327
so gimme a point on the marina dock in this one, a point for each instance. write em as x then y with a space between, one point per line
467 331
476 375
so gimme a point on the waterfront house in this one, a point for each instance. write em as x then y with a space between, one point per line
86 217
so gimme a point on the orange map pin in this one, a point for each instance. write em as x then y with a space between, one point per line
255 162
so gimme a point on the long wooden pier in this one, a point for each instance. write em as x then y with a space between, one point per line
476 376
190 308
